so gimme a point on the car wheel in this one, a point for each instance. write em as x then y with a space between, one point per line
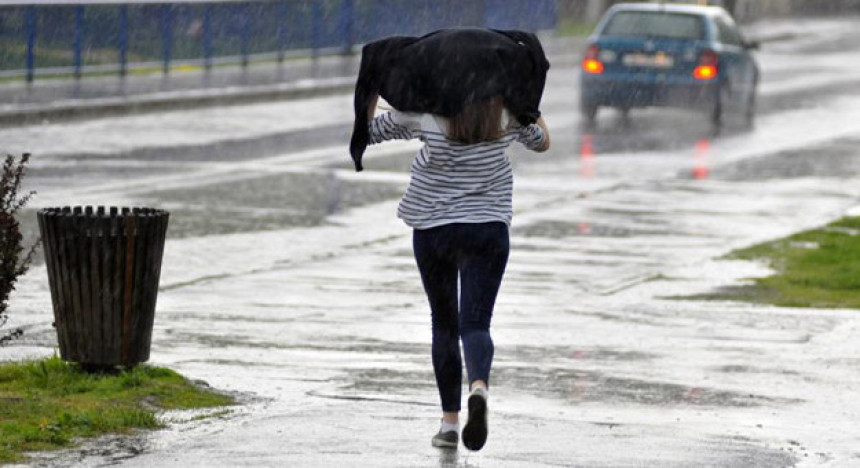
589 112
624 116
718 110
749 110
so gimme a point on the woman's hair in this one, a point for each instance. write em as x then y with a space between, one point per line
477 122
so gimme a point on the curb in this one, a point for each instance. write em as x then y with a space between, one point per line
234 95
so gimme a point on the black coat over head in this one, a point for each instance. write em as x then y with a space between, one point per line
444 71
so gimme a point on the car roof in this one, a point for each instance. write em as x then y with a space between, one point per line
670 7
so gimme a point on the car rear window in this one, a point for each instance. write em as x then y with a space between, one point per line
656 24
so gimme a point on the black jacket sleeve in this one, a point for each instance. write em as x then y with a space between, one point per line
376 58
444 71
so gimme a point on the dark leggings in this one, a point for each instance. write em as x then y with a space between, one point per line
477 253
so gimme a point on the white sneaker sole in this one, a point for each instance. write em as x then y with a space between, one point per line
443 443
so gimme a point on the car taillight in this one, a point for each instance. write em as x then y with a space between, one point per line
590 62
707 67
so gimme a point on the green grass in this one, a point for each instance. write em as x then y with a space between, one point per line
152 70
815 268
574 29
14 55
47 404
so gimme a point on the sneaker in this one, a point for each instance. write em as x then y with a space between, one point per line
475 432
445 439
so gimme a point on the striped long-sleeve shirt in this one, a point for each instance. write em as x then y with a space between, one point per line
454 182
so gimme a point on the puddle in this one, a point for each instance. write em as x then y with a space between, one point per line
742 369
536 354
561 229
266 203
584 386
838 159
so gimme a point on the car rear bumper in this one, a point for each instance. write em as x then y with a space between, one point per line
601 91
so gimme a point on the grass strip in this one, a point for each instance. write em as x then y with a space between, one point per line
814 268
580 29
48 404
136 70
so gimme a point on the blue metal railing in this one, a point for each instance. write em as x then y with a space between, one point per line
82 36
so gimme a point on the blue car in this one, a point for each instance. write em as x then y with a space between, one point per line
672 55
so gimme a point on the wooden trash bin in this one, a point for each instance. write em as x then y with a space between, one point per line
103 268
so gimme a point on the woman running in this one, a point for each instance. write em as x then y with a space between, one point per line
458 202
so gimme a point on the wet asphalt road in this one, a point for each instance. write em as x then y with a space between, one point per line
289 281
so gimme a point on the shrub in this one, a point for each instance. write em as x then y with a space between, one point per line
13 261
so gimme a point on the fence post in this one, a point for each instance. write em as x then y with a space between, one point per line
316 28
166 36
282 30
78 41
207 37
347 18
30 20
485 13
553 8
245 39
123 40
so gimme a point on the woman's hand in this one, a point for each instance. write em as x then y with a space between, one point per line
542 124
371 109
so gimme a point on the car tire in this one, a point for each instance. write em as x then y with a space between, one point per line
589 112
749 110
717 112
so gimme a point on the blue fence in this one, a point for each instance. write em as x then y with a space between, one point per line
102 37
